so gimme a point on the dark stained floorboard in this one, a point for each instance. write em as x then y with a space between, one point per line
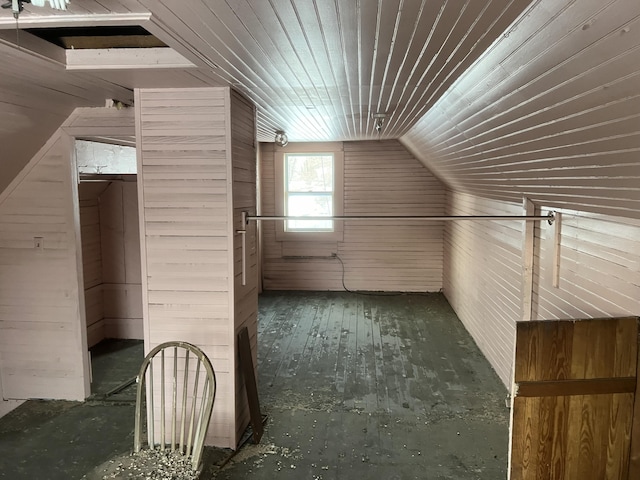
372 386
355 386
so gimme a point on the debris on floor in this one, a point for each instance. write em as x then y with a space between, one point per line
147 465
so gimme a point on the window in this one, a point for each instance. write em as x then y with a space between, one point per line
309 183
308 191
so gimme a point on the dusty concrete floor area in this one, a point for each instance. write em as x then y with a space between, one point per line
355 386
388 387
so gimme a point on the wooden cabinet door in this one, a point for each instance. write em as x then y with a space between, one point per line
574 399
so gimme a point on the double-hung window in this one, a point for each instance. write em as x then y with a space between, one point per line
308 191
309 184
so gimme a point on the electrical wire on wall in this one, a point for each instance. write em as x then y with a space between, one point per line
359 292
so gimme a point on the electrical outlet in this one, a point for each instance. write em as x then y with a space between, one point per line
38 243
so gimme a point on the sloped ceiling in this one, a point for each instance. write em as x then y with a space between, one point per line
317 69
548 106
550 112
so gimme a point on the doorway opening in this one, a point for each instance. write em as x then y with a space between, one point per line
108 202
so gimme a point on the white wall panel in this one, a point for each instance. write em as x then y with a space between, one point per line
550 112
41 324
598 268
243 161
196 158
598 274
483 275
182 184
380 178
121 264
92 259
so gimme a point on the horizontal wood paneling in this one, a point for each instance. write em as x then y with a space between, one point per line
36 96
380 178
550 112
483 276
598 269
41 331
243 162
184 186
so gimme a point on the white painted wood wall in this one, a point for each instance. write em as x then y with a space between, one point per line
42 330
121 264
244 163
483 275
598 268
550 112
43 344
192 146
598 272
111 260
380 178
88 194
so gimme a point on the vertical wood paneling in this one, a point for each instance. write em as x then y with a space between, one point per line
550 112
380 178
111 260
121 261
92 259
243 161
562 426
41 331
195 177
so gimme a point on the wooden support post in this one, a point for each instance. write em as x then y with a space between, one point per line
528 261
557 243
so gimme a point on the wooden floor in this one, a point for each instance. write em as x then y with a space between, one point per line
372 387
367 387
371 353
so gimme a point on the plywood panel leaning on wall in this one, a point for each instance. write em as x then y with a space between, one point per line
574 402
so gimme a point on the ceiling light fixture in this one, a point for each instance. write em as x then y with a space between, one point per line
379 120
281 138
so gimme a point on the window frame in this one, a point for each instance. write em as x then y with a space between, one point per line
333 148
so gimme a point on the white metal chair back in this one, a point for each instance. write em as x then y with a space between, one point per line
184 381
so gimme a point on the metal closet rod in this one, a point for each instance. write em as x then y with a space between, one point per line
246 218
550 217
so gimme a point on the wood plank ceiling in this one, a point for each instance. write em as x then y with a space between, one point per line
316 68
559 124
491 95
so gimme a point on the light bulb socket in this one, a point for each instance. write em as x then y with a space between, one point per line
281 138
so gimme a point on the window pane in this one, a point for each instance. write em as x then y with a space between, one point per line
314 205
309 172
310 225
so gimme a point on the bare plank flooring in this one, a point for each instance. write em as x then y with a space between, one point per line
372 386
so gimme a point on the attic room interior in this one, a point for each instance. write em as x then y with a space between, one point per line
157 156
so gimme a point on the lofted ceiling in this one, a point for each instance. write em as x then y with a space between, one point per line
551 112
491 95
317 69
